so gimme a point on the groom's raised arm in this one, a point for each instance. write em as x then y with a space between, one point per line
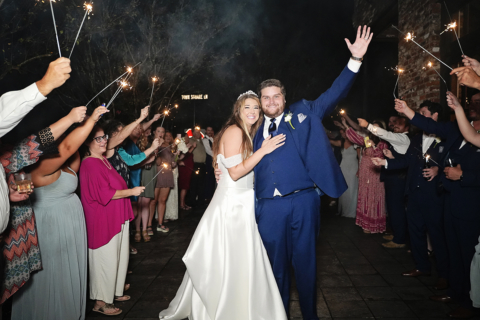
327 102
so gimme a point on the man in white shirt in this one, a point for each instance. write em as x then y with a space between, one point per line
15 105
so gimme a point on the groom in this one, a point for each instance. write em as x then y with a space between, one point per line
288 207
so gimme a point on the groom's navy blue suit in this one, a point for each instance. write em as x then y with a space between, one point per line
289 224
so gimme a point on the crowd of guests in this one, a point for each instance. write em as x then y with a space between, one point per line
417 181
90 178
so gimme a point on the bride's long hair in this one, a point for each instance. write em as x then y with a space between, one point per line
236 120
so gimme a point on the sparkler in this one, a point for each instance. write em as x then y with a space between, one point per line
177 141
129 70
399 71
342 112
427 156
410 37
55 27
154 79
88 10
165 166
451 26
430 67
122 85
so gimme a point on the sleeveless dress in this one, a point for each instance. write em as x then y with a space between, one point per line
171 211
347 203
228 272
59 290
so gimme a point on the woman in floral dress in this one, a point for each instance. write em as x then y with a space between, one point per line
371 192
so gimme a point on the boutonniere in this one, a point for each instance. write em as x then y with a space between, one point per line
288 118
437 141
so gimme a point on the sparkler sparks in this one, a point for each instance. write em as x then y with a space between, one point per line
452 26
88 9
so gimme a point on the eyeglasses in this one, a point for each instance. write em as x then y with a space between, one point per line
99 139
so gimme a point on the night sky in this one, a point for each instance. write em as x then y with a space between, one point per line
300 43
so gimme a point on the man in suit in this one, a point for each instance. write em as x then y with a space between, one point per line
425 203
288 205
461 182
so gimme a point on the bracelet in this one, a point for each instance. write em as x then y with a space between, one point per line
356 59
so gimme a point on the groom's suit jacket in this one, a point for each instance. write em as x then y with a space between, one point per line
310 142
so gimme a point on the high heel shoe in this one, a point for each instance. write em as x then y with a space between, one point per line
138 236
145 235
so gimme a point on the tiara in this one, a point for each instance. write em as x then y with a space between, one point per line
248 92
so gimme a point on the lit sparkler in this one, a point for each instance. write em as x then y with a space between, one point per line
164 166
88 9
154 79
429 66
398 71
122 86
410 37
342 112
129 70
451 26
55 27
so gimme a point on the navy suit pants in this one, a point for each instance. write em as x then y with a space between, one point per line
395 201
289 228
425 215
462 237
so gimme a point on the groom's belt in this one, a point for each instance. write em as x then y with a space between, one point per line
296 191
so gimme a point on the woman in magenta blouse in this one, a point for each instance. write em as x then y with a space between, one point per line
108 212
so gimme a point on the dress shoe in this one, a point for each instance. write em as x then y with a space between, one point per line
415 273
442 284
388 237
393 245
441 298
461 313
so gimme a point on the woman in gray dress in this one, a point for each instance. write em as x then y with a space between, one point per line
59 290
347 203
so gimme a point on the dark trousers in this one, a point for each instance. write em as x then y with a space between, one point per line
210 181
289 228
395 201
462 237
425 215
196 184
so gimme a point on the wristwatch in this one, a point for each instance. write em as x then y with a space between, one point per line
356 59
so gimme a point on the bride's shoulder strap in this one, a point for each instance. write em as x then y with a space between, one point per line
232 161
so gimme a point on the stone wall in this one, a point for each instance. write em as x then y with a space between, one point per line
423 19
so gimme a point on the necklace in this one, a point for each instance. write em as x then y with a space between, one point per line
107 164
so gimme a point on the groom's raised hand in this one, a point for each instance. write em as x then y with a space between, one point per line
359 48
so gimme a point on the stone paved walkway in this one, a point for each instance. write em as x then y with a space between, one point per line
357 277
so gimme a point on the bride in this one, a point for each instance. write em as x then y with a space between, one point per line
228 272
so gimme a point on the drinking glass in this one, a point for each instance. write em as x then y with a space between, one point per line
23 182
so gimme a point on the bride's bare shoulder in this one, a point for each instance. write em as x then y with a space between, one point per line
232 132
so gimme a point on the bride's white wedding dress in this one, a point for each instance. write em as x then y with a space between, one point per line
228 275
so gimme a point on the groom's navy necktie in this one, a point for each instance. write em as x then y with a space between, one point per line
272 129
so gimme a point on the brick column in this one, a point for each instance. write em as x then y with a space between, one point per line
423 19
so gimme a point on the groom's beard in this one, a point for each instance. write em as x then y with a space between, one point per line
273 112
